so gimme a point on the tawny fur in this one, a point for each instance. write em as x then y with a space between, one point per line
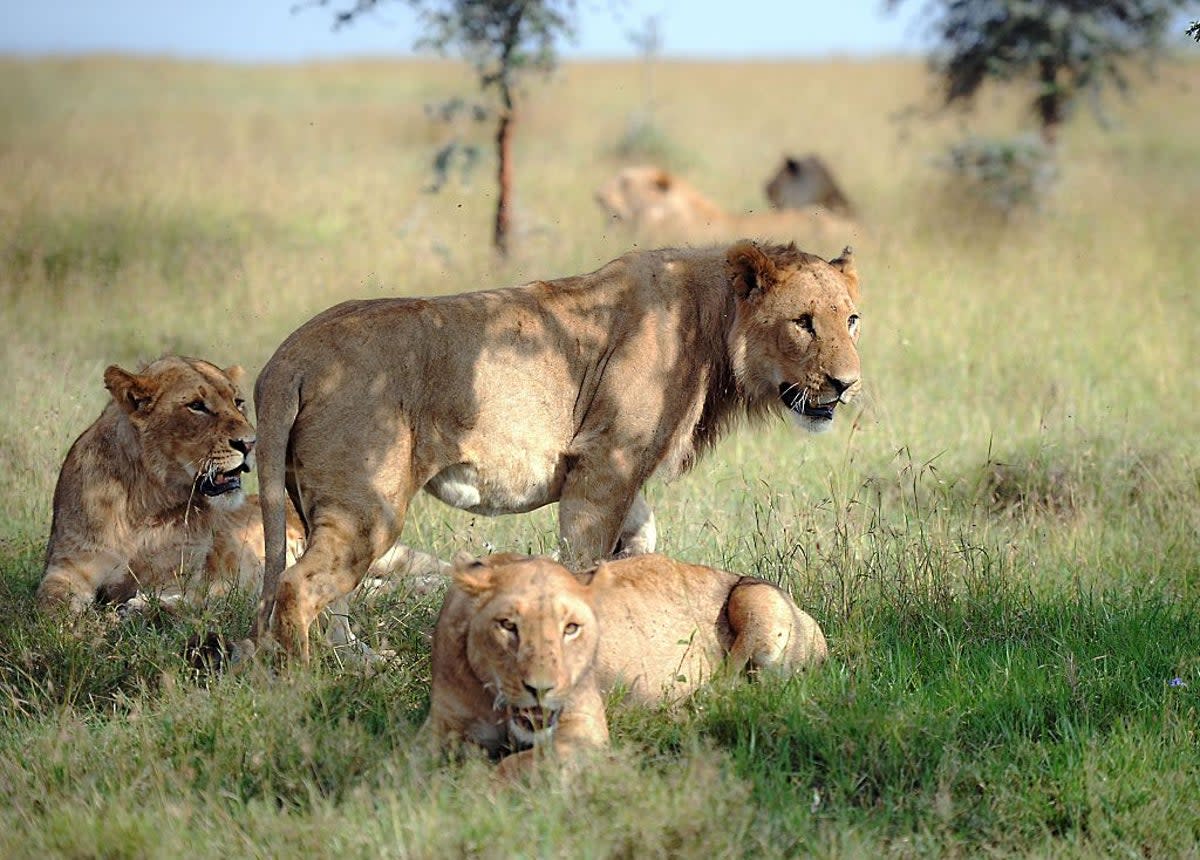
573 391
667 627
661 206
128 512
513 649
520 638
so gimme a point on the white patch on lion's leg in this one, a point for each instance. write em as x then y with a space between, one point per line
421 572
346 645
638 534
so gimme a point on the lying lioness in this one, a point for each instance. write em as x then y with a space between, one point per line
524 651
667 627
573 391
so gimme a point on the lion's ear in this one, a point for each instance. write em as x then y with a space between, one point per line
602 576
130 391
462 558
236 373
750 270
471 575
845 264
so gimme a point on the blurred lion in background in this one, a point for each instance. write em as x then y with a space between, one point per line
800 183
659 205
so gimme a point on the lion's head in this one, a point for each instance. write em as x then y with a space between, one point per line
531 638
648 197
794 340
190 423
806 181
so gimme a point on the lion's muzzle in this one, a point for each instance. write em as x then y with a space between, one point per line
800 401
215 482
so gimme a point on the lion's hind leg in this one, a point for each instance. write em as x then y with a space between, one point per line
770 631
74 584
340 549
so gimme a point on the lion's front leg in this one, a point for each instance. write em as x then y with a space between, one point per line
596 501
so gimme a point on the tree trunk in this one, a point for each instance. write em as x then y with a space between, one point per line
504 181
1050 103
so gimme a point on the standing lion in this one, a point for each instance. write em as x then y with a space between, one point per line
573 391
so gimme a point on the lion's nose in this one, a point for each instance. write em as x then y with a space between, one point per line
840 385
242 445
539 688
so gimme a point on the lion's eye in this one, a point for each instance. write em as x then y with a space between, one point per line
853 323
507 625
199 406
571 629
240 404
805 322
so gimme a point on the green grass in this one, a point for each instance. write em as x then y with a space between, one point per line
1002 542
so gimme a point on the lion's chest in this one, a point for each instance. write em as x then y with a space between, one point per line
168 558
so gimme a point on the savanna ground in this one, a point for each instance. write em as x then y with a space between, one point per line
1001 541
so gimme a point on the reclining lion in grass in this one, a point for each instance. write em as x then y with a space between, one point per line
655 203
524 652
150 496
149 499
573 391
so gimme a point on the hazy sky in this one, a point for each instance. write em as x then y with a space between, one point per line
269 30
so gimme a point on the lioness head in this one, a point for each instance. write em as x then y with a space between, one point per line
648 196
532 637
189 420
794 340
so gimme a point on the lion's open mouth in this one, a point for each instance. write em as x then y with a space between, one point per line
215 483
795 398
535 719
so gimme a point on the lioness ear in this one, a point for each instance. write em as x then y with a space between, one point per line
472 577
602 576
845 264
749 269
236 373
129 390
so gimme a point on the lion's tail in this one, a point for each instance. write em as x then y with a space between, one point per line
276 404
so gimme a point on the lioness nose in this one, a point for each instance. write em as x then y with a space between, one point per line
539 688
840 385
243 445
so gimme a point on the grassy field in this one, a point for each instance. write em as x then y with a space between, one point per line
1002 542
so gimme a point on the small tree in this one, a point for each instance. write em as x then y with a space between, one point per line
1067 46
502 39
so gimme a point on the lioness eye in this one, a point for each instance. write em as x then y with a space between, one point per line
240 404
853 324
198 406
505 624
805 322
571 629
